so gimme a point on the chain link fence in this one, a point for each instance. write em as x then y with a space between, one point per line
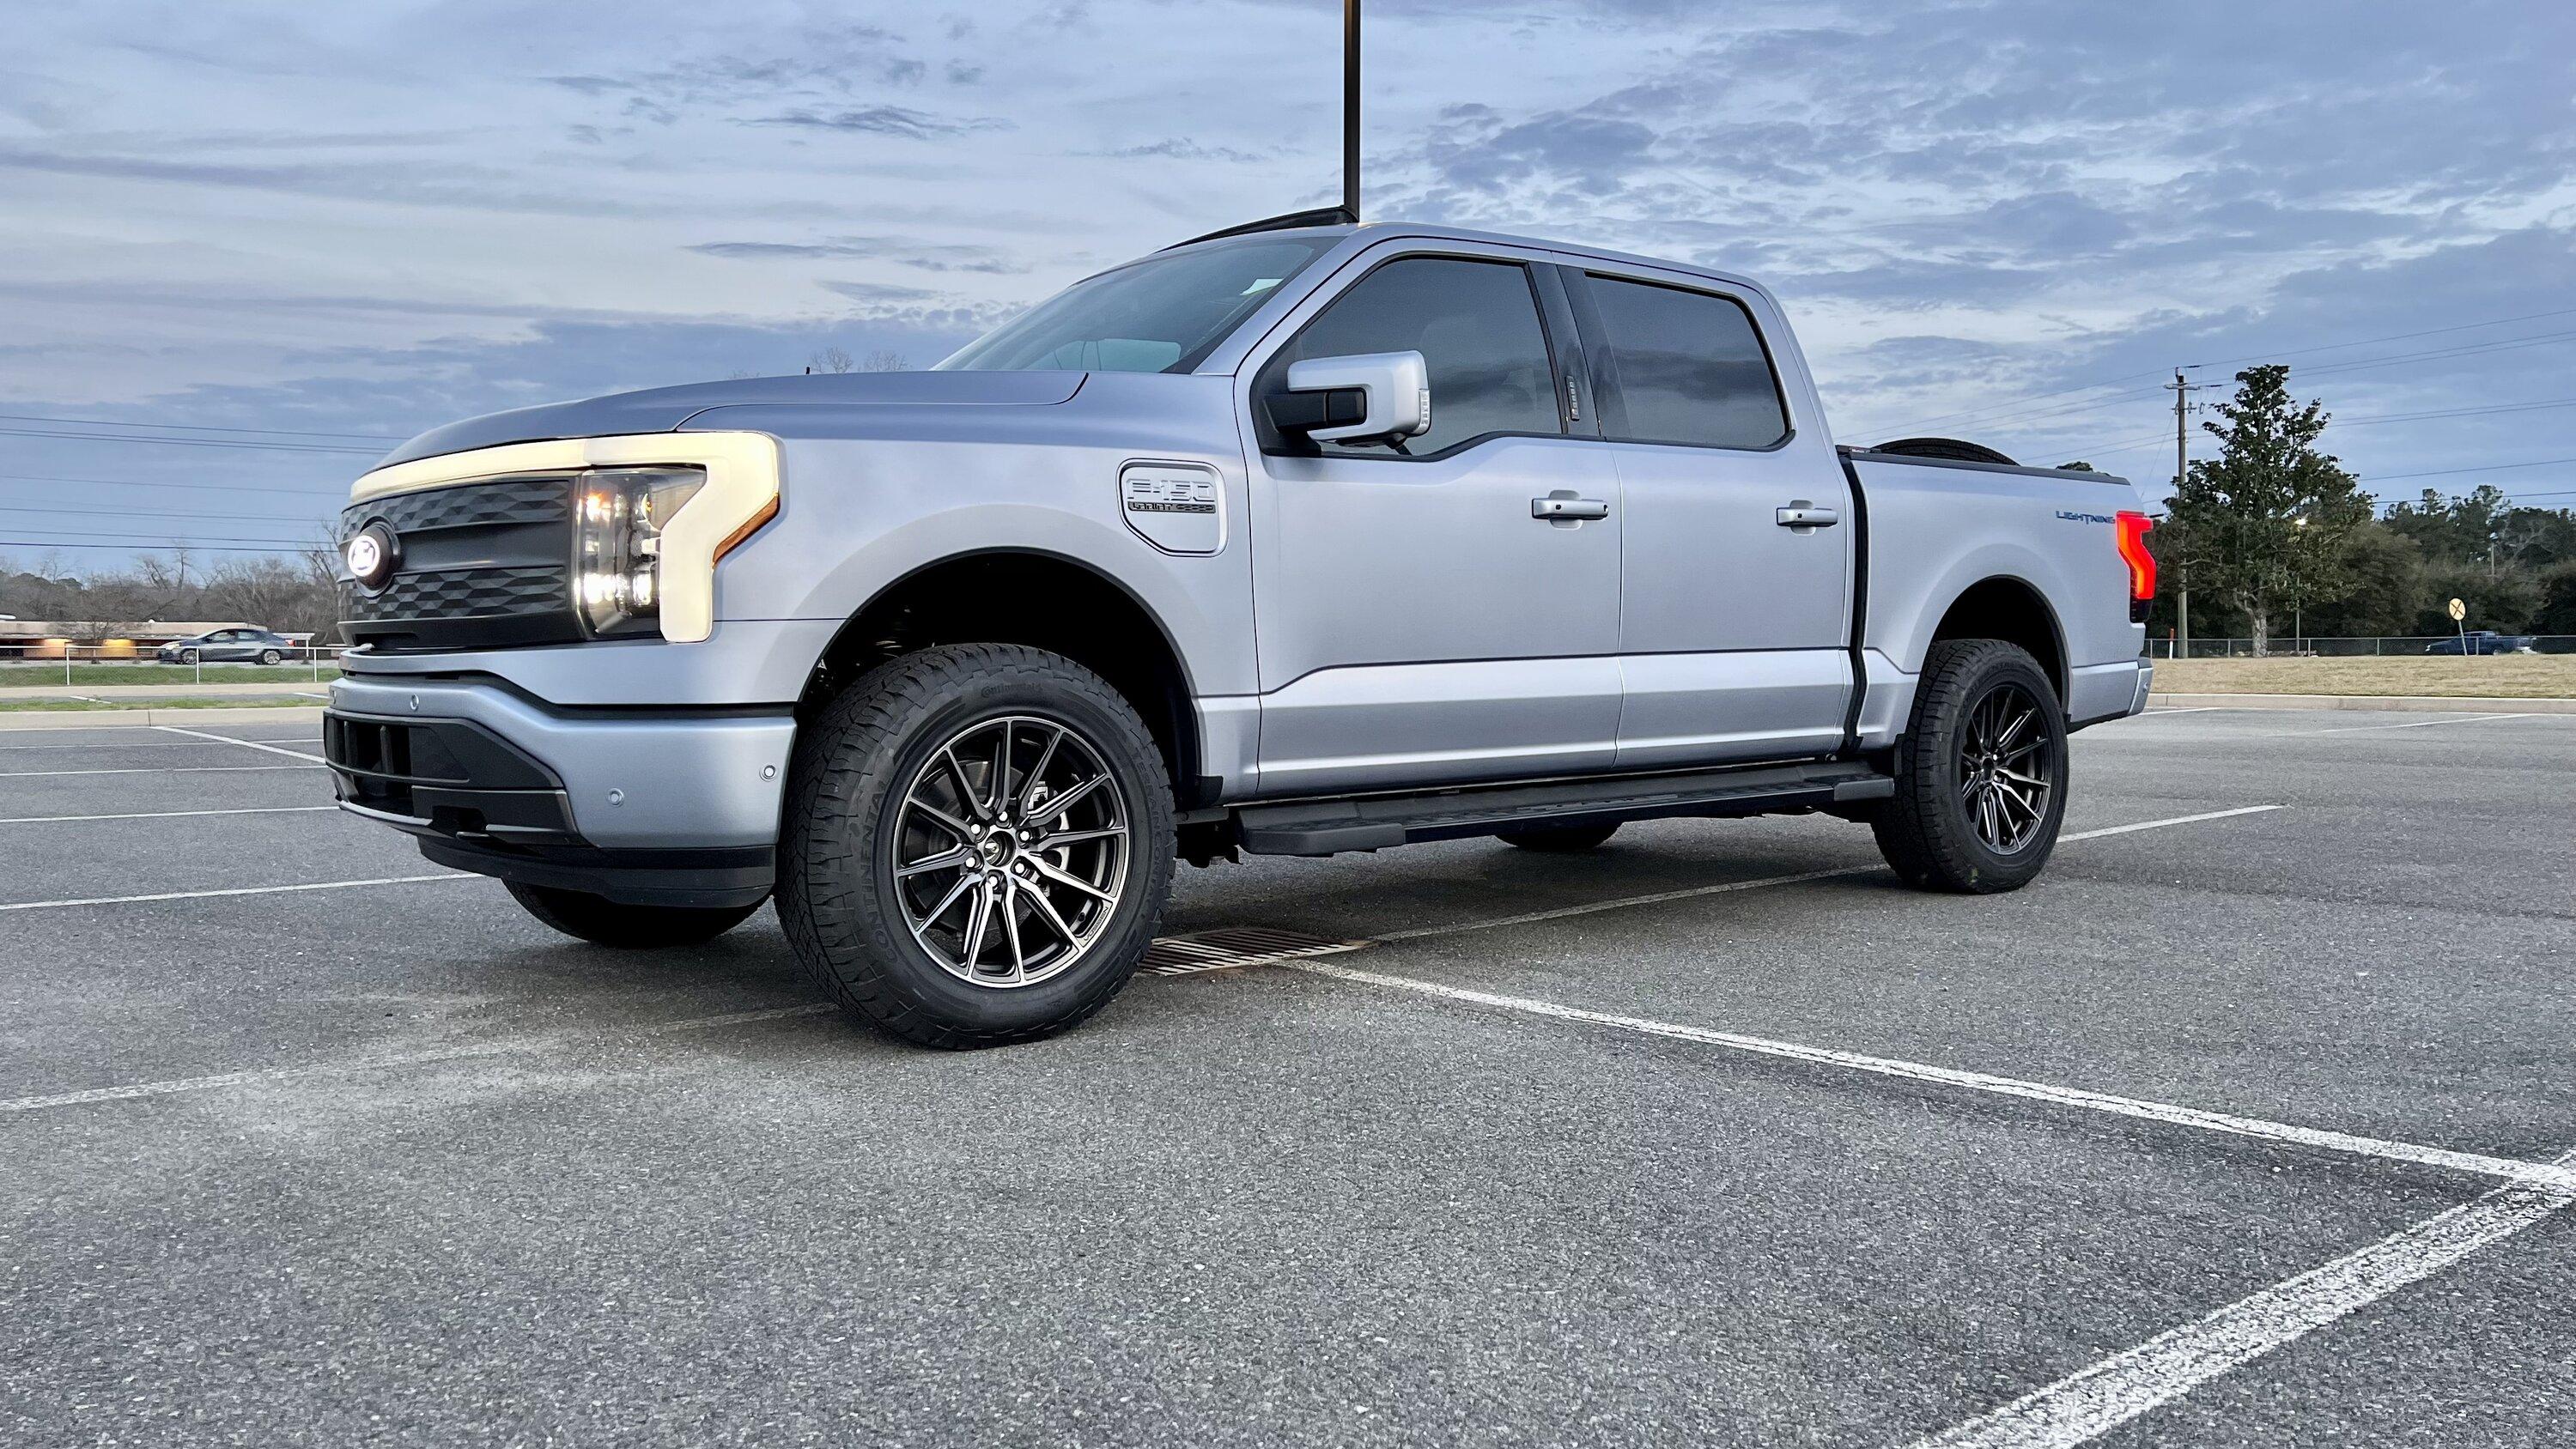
2366 645
52 662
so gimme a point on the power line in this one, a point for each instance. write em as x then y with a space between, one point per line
2224 361
177 538
2393 337
2367 420
2374 418
2442 354
2437 354
168 513
337 495
135 547
2446 472
2330 369
188 442
190 427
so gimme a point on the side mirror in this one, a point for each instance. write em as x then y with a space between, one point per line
1359 398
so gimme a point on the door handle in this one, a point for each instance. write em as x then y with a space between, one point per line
1565 505
1804 516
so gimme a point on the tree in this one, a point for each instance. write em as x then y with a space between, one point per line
2274 517
2503 602
2387 592
883 360
831 359
2557 601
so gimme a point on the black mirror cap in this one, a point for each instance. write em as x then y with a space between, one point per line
1332 407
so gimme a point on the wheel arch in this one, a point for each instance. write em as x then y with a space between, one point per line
2010 608
1091 617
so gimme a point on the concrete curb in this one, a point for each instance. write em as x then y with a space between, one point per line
91 719
293 684
2394 703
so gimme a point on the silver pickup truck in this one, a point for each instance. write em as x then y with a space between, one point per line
1295 539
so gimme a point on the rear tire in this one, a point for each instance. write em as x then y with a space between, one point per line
914 877
604 922
270 656
1981 772
1561 839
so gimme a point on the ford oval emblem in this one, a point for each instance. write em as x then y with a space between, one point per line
370 556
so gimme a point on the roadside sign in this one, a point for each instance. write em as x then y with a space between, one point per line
2459 610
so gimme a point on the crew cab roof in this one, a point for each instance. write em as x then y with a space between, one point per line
1370 233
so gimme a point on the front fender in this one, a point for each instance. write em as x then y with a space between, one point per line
858 516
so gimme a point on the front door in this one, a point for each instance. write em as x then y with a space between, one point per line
1735 615
1416 623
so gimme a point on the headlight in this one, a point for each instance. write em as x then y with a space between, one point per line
618 518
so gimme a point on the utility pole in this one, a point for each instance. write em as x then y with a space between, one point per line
2182 389
1351 108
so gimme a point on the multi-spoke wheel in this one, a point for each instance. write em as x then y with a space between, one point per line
2007 769
1981 772
977 846
1015 839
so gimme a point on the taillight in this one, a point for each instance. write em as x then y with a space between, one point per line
2132 529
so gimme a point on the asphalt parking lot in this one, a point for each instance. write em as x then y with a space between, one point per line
2227 1132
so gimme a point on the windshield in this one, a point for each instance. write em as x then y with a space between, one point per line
1162 314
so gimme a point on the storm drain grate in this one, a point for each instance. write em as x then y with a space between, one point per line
1237 946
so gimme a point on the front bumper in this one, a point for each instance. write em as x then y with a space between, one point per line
652 806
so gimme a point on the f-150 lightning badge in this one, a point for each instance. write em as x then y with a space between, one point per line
1176 507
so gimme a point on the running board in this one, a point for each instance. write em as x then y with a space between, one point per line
1374 822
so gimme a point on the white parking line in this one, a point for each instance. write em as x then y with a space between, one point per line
1692 892
502 1047
161 770
2414 1154
135 744
2421 724
2169 820
321 885
245 744
133 729
2095 1400
164 814
2194 709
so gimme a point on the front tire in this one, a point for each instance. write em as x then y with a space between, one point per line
604 922
1981 772
979 842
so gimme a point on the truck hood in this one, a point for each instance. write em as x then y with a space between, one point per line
665 409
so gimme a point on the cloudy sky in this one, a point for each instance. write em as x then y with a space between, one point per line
2008 221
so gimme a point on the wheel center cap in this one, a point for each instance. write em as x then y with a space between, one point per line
995 848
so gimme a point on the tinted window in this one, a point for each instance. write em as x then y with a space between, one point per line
1475 324
1690 367
1162 314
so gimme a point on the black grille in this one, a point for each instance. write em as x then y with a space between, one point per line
464 594
511 500
478 566
449 776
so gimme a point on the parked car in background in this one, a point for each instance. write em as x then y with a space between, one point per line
2481 641
230 646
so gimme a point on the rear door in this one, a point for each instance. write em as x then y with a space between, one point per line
1416 623
1736 594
